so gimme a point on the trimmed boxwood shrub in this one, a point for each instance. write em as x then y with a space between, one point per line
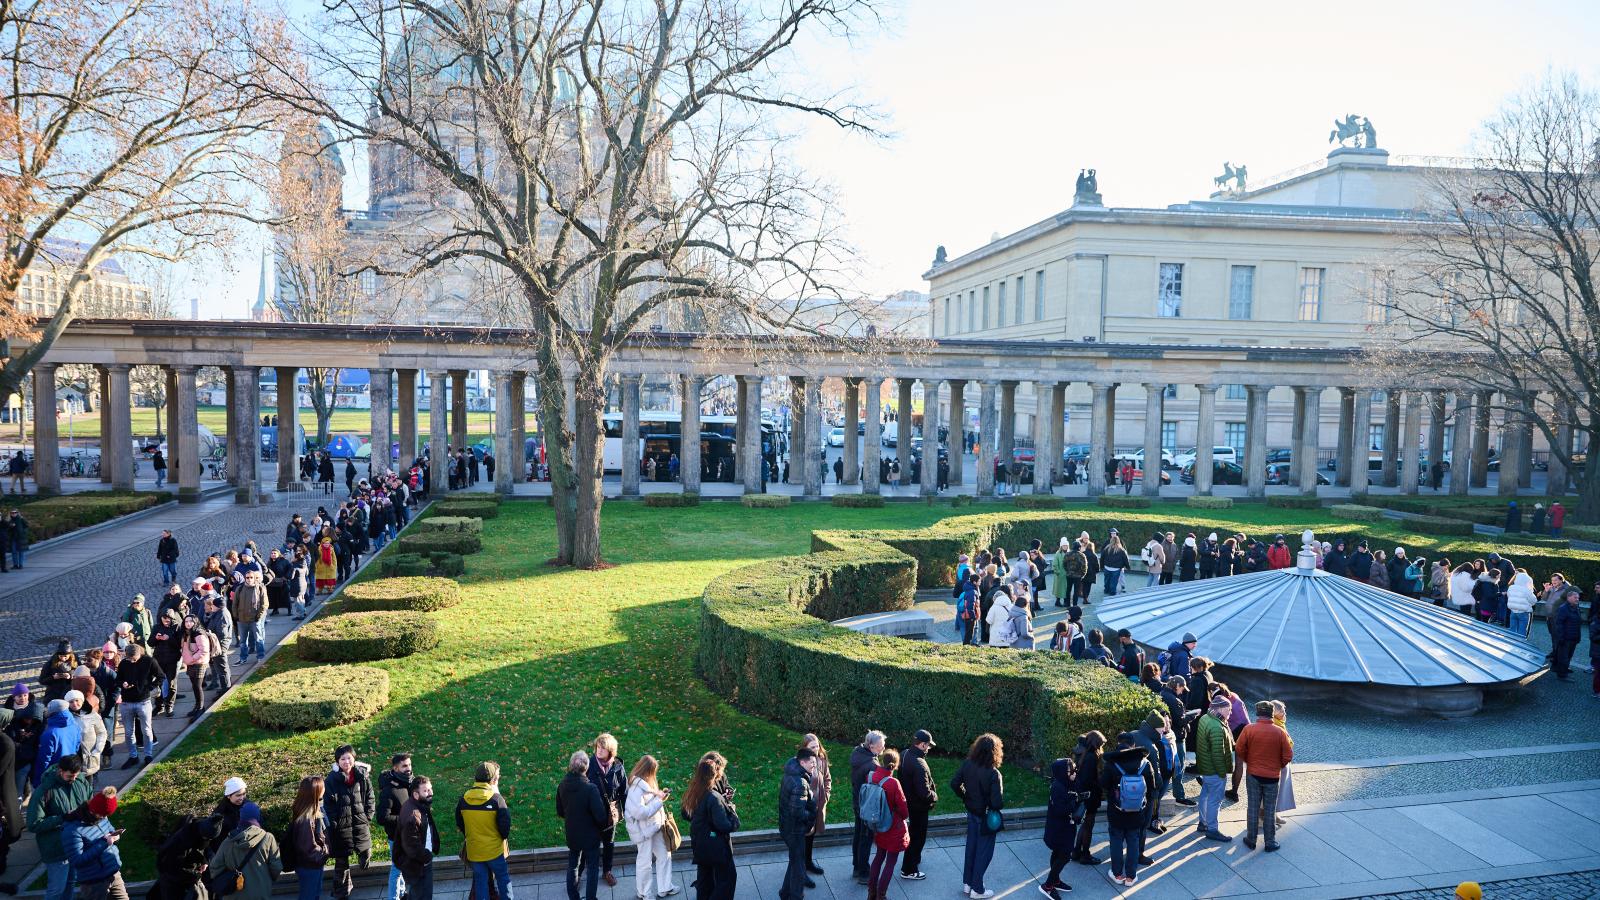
1198 502
450 524
1294 501
1355 512
54 516
1123 501
687 498
445 564
1437 525
858 501
1037 501
960 500
765 501
1582 532
472 509
318 697
402 565
360 636
437 541
416 594
273 770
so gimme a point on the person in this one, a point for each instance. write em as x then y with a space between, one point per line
1379 576
1020 625
483 817
821 792
1265 750
181 858
1086 758
1558 517
1238 718
1278 555
1594 650
308 832
892 840
60 792
1188 559
997 620
418 840
797 815
863 760
1210 550
1067 566
1130 659
103 667
1213 762
1460 589
219 623
394 789
646 815
1091 569
607 774
249 612
1113 562
1154 558
1128 782
1096 649
1178 654
1061 820
17 534
138 677
1169 557
966 597
251 851
1519 604
981 789
713 818
91 844
350 476
350 806
1513 518
586 819
1361 563
278 588
1486 593
1152 736
166 653
1567 630
82 702
60 738
326 571
1280 716
1126 476
195 645
139 620
17 467
916 779
167 555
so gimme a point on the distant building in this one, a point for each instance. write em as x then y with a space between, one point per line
110 294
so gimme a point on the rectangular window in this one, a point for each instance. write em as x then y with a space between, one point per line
369 283
972 310
986 309
1241 291
1380 296
1311 280
1169 291
1375 437
1233 435
1169 435
1020 306
1233 392
1171 393
1000 311
1038 296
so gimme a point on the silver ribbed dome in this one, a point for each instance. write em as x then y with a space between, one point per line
1305 623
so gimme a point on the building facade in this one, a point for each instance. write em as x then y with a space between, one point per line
111 293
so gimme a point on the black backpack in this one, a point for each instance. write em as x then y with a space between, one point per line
287 851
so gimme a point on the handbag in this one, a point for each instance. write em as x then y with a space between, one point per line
993 822
670 834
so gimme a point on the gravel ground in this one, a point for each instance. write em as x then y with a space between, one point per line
1571 886
1442 777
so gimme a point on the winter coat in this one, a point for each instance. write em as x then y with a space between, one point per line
195 651
1520 596
980 788
310 837
1060 828
916 777
1379 577
93 858
1265 749
249 603
1461 590
821 792
998 613
862 763
583 811
483 817
1208 558
394 789
254 853
419 839
1361 565
1213 747
1087 781
1397 574
1130 661
1188 560
896 837
1336 563
644 811
1279 557
61 737
1021 627
350 807
1177 660
1485 591
142 621
1149 740
52 801
93 743
1169 556
711 829
167 550
1567 623
1113 766
613 784
797 809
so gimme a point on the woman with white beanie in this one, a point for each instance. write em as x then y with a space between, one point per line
234 792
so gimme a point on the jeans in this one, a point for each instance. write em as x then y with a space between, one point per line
1113 582
161 478
397 882
860 849
18 554
794 874
58 880
502 878
1211 787
917 824
1127 845
581 859
252 634
421 888
1155 578
980 852
169 573
1519 623
1262 802
882 871
310 882
1178 791
137 728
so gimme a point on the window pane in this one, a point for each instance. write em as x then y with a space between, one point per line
1169 435
1380 297
1233 392
1000 310
1311 294
1375 437
1241 291
947 315
972 310
1169 292
1233 435
1020 306
1038 295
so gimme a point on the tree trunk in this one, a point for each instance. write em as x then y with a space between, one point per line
588 451
558 456
324 389
1588 484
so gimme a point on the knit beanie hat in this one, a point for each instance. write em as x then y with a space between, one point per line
233 786
249 813
1156 720
104 803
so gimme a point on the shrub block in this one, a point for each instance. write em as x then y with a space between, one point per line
1198 502
1356 512
474 508
1037 501
399 565
450 525
399 594
1123 501
960 500
1294 501
436 541
1437 525
273 770
362 636
318 697
858 501
687 498
765 501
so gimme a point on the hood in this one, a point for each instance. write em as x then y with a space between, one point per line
1127 757
793 767
1176 647
1061 770
61 719
479 794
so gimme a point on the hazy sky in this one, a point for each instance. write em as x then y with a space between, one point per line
993 107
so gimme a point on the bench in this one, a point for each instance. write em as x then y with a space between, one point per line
898 623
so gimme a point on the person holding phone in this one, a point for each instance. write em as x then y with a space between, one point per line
90 842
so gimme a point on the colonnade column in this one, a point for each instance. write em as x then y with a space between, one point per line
1345 453
902 427
46 439
1410 452
458 409
957 426
1525 448
739 436
750 462
1255 440
504 435
1310 440
519 428
1510 449
872 441
173 461
1058 427
986 437
929 480
185 435
105 422
381 392
438 445
852 421
1297 450
630 434
1008 424
689 434
1206 437
1099 436
1391 437
1462 461
1043 454
1361 441
1556 478
1480 439
814 457
1154 406
247 423
408 416
797 430
288 405
1436 417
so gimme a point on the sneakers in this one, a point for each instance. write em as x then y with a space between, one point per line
132 761
1186 802
1121 880
981 895
913 876
1218 837
1048 891
1051 890
966 890
1249 841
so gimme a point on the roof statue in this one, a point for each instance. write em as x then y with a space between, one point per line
1355 129
940 256
1087 189
1229 173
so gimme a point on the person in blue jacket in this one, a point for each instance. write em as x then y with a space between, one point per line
90 842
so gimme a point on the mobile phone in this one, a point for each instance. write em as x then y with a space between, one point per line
118 830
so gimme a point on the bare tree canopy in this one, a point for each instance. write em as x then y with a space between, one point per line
1504 270
619 164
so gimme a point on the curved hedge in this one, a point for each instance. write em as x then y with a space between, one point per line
318 697
362 636
415 594
1199 502
1123 501
1356 512
272 769
1037 501
471 509
858 501
450 524
441 542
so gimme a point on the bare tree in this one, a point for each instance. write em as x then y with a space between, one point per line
620 163
1503 271
123 121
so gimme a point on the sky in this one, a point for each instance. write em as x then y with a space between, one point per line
990 109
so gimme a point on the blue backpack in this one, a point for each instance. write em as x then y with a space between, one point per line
874 806
1130 789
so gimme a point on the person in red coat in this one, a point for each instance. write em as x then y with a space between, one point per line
897 838
1278 555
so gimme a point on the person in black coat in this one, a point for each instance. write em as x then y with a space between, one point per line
350 805
981 789
1086 781
394 789
181 859
1361 563
587 819
1208 556
1061 819
605 772
1127 827
917 779
713 818
1335 562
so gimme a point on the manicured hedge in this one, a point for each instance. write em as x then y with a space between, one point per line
273 770
440 541
1037 501
1356 512
1199 502
360 636
473 509
400 594
961 500
450 525
54 516
1123 501
1436 525
318 697
858 501
687 498
1582 532
1294 501
765 501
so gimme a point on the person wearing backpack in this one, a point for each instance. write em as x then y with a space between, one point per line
863 761
1061 820
983 792
249 855
1130 659
1128 781
888 823
181 858
1096 649
966 597
307 847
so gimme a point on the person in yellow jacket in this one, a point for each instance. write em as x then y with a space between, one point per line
485 820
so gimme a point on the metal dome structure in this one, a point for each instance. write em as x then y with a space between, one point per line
1301 633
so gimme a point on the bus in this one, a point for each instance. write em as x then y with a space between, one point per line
660 437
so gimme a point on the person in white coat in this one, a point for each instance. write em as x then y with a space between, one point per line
646 814
1461 589
999 613
1519 603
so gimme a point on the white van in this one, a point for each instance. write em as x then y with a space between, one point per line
1218 454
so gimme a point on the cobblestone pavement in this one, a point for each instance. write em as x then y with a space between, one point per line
1572 886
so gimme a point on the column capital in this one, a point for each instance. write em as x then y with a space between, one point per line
184 369
1206 389
628 377
1101 387
1347 391
46 367
1155 386
116 368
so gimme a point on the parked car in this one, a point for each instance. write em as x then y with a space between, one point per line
1281 455
1278 473
1222 472
1187 457
1138 475
1138 458
1076 452
836 437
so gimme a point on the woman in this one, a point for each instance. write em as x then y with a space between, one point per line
212 572
56 674
607 774
821 790
712 821
1086 781
894 839
194 654
1091 569
1113 562
1486 593
1461 589
646 815
90 844
1150 677
982 790
251 851
1439 582
1021 625
1188 559
103 668
1238 718
299 583
309 833
165 640
1228 558
1280 714
327 568
348 801
1520 599
1380 570
999 614
1061 824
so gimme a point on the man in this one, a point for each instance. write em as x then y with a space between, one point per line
249 617
582 808
797 815
917 779
417 840
18 527
1130 659
59 794
1151 736
139 620
1169 557
484 819
1566 631
167 556
61 737
1361 563
17 466
1213 762
863 759
1265 749
1278 555
138 676
1154 557
1179 653
215 619
1127 780
394 790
